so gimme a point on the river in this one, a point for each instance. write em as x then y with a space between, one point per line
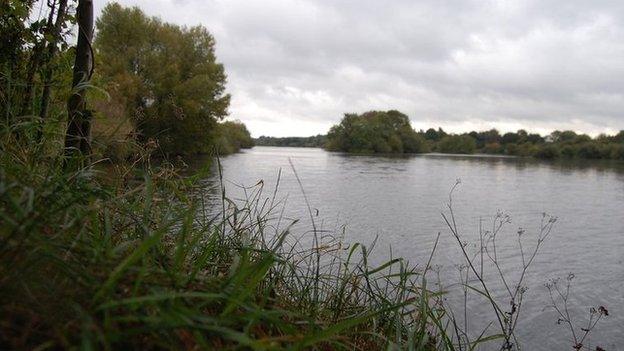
399 200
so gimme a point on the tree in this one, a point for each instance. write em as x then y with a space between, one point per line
79 118
52 48
435 135
172 87
375 132
488 137
457 144
16 40
231 136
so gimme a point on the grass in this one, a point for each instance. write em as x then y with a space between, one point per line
89 263
130 256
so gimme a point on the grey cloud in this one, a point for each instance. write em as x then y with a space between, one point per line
295 66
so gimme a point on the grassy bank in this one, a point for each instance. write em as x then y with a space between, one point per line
127 257
132 260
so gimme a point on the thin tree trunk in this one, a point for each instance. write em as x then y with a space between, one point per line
35 61
79 119
52 48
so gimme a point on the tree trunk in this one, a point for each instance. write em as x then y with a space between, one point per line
35 61
79 119
52 47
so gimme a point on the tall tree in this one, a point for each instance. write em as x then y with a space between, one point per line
79 118
172 87
52 47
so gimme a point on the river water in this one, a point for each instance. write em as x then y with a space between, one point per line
399 201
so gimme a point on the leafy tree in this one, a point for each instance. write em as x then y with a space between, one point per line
563 136
435 135
231 136
313 141
173 87
375 132
548 151
534 138
29 50
487 137
457 144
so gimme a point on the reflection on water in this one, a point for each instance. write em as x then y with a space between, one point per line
399 200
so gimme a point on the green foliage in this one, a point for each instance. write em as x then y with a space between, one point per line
435 135
126 257
482 139
168 77
27 62
548 151
313 141
231 137
375 132
389 132
457 144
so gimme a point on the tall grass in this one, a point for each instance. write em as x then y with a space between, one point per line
90 263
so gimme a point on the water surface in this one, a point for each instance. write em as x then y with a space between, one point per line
400 200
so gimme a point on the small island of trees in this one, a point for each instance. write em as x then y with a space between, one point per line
375 132
390 132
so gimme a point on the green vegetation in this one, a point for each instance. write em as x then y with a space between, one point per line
231 137
148 83
375 132
165 79
456 144
130 255
130 259
390 132
313 141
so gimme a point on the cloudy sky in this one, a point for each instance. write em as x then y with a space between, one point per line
295 66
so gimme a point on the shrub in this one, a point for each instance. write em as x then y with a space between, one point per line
457 144
231 136
547 151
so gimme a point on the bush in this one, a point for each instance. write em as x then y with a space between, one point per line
231 136
547 151
457 144
617 152
569 151
493 148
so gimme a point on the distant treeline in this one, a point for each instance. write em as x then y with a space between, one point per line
312 141
390 132
565 144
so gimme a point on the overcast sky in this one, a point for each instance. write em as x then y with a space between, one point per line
294 66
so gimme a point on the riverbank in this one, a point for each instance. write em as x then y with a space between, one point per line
139 263
134 264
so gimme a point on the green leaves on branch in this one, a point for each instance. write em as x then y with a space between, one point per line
165 77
